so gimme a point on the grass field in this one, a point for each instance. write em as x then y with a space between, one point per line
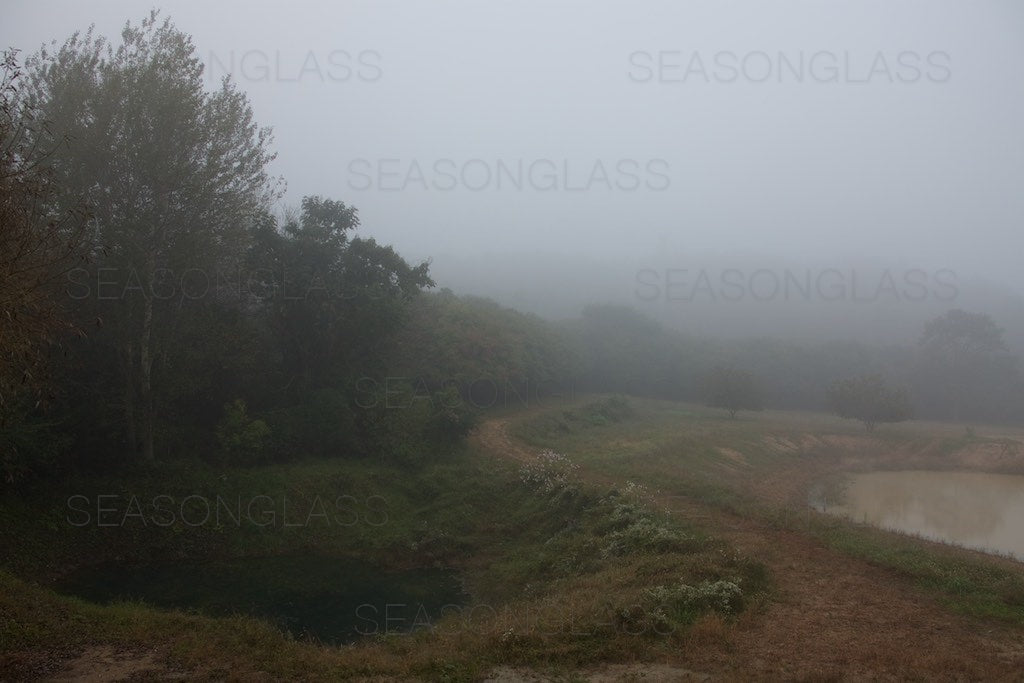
656 539
766 467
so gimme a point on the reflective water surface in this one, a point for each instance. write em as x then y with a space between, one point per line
334 601
974 509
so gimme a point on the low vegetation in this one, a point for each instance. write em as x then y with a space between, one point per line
189 375
765 471
532 542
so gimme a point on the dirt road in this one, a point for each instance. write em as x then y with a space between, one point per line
832 617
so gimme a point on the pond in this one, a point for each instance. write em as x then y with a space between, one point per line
974 509
331 600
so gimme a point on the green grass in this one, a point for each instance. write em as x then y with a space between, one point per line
675 447
194 511
670 446
964 581
559 577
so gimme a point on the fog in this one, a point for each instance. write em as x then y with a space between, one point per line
554 155
511 340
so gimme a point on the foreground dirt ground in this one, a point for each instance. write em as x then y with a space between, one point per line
832 617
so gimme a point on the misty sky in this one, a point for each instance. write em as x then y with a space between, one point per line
825 132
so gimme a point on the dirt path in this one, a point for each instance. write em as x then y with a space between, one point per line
832 617
104 663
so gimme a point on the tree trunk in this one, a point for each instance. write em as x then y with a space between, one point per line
145 374
129 399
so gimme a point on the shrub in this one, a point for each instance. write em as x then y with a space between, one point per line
451 417
550 472
631 526
683 603
241 438
613 409
323 425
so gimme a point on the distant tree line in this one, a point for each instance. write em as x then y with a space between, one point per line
959 369
153 306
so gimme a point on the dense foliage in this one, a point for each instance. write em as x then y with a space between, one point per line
156 307
869 400
39 243
731 389
960 370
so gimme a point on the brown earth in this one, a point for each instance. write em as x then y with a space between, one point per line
100 664
832 617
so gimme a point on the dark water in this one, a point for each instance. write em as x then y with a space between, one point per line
334 601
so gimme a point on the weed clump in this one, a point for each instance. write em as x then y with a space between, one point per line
571 421
610 410
721 596
631 526
550 473
663 609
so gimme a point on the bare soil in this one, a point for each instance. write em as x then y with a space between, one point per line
832 617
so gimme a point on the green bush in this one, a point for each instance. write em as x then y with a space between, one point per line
242 439
639 531
322 426
29 447
550 473
683 603
451 417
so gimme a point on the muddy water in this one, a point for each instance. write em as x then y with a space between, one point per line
974 509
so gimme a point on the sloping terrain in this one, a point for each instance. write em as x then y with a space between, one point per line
832 616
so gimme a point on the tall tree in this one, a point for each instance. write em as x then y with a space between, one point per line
964 361
38 244
867 398
332 298
175 175
964 333
732 389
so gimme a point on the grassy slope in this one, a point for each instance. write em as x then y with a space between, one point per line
559 579
690 451
546 591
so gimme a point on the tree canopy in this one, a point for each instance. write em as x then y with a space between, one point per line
867 398
174 177
732 389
